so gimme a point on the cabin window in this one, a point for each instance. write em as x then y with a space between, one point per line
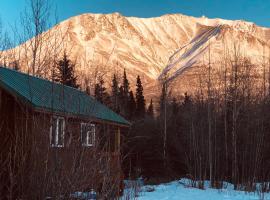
57 132
88 132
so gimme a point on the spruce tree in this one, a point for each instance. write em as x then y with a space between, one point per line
140 101
87 90
124 95
162 100
131 105
125 85
15 65
150 110
115 94
187 100
100 92
121 101
65 72
174 107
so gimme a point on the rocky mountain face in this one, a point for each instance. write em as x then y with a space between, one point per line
175 45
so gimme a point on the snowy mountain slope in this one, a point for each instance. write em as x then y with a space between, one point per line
189 55
216 42
148 47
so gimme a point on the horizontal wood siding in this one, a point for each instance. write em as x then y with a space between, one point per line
15 148
81 168
39 170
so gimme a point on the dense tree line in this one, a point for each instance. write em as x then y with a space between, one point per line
119 97
217 133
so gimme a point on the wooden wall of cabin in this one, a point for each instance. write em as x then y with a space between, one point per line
15 130
32 169
72 167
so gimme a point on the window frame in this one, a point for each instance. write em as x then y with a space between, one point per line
93 134
56 144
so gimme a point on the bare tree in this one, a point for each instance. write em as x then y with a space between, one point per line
5 43
35 22
209 92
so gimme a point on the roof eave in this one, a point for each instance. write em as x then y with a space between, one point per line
85 117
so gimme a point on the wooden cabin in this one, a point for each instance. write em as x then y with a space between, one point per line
56 140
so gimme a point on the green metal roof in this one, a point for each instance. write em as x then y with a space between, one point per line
54 97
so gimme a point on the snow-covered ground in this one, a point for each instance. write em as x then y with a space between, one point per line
179 190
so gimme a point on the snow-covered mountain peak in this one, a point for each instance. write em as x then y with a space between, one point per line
148 46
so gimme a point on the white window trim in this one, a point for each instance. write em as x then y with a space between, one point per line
88 135
57 118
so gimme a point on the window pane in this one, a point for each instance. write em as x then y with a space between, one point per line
89 137
57 132
61 132
54 132
92 134
87 134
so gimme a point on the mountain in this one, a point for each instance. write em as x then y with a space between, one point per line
173 44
